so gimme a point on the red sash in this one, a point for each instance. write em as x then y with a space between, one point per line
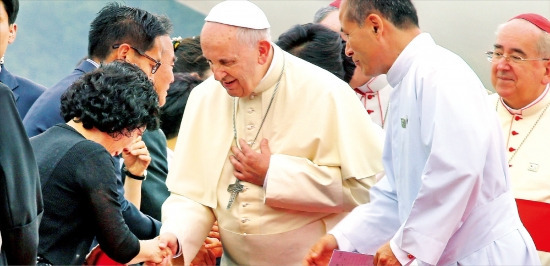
535 216
98 257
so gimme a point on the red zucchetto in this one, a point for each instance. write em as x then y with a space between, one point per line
335 3
536 20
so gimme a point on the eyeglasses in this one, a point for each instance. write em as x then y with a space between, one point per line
496 56
157 63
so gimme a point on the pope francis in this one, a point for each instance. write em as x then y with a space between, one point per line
274 148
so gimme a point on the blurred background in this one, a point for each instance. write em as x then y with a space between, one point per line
52 35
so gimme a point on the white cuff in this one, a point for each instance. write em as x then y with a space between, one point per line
403 257
343 243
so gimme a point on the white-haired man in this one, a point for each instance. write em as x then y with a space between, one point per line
520 73
273 198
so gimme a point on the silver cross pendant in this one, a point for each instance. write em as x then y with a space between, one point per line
234 189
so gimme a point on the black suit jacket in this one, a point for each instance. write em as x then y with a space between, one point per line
20 196
24 91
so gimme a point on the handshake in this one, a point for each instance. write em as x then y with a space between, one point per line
160 250
157 251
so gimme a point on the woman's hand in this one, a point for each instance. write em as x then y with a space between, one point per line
154 252
136 157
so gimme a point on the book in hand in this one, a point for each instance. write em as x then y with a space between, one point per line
344 258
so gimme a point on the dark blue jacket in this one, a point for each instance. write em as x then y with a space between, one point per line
24 91
46 110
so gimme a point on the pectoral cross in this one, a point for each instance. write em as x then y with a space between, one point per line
234 189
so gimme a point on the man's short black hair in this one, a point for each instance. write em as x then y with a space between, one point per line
12 8
116 24
400 13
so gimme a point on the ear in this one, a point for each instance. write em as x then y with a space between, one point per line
546 77
264 47
374 23
121 52
13 33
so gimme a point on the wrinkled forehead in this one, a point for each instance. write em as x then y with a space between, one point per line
216 36
518 36
213 31
519 29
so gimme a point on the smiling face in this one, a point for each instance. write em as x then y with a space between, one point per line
237 66
362 43
519 83
164 75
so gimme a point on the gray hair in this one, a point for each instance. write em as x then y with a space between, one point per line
322 13
251 37
543 43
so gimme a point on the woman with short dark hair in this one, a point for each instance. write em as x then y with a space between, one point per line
106 112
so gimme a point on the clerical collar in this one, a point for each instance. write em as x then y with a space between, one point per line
520 111
374 84
412 52
269 80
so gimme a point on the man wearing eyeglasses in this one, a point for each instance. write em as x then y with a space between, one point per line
445 199
520 74
108 41
117 33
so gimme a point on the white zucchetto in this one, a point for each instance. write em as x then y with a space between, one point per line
239 13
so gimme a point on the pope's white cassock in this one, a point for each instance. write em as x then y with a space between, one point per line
445 199
527 141
325 154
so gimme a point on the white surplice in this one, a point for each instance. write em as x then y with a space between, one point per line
446 196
